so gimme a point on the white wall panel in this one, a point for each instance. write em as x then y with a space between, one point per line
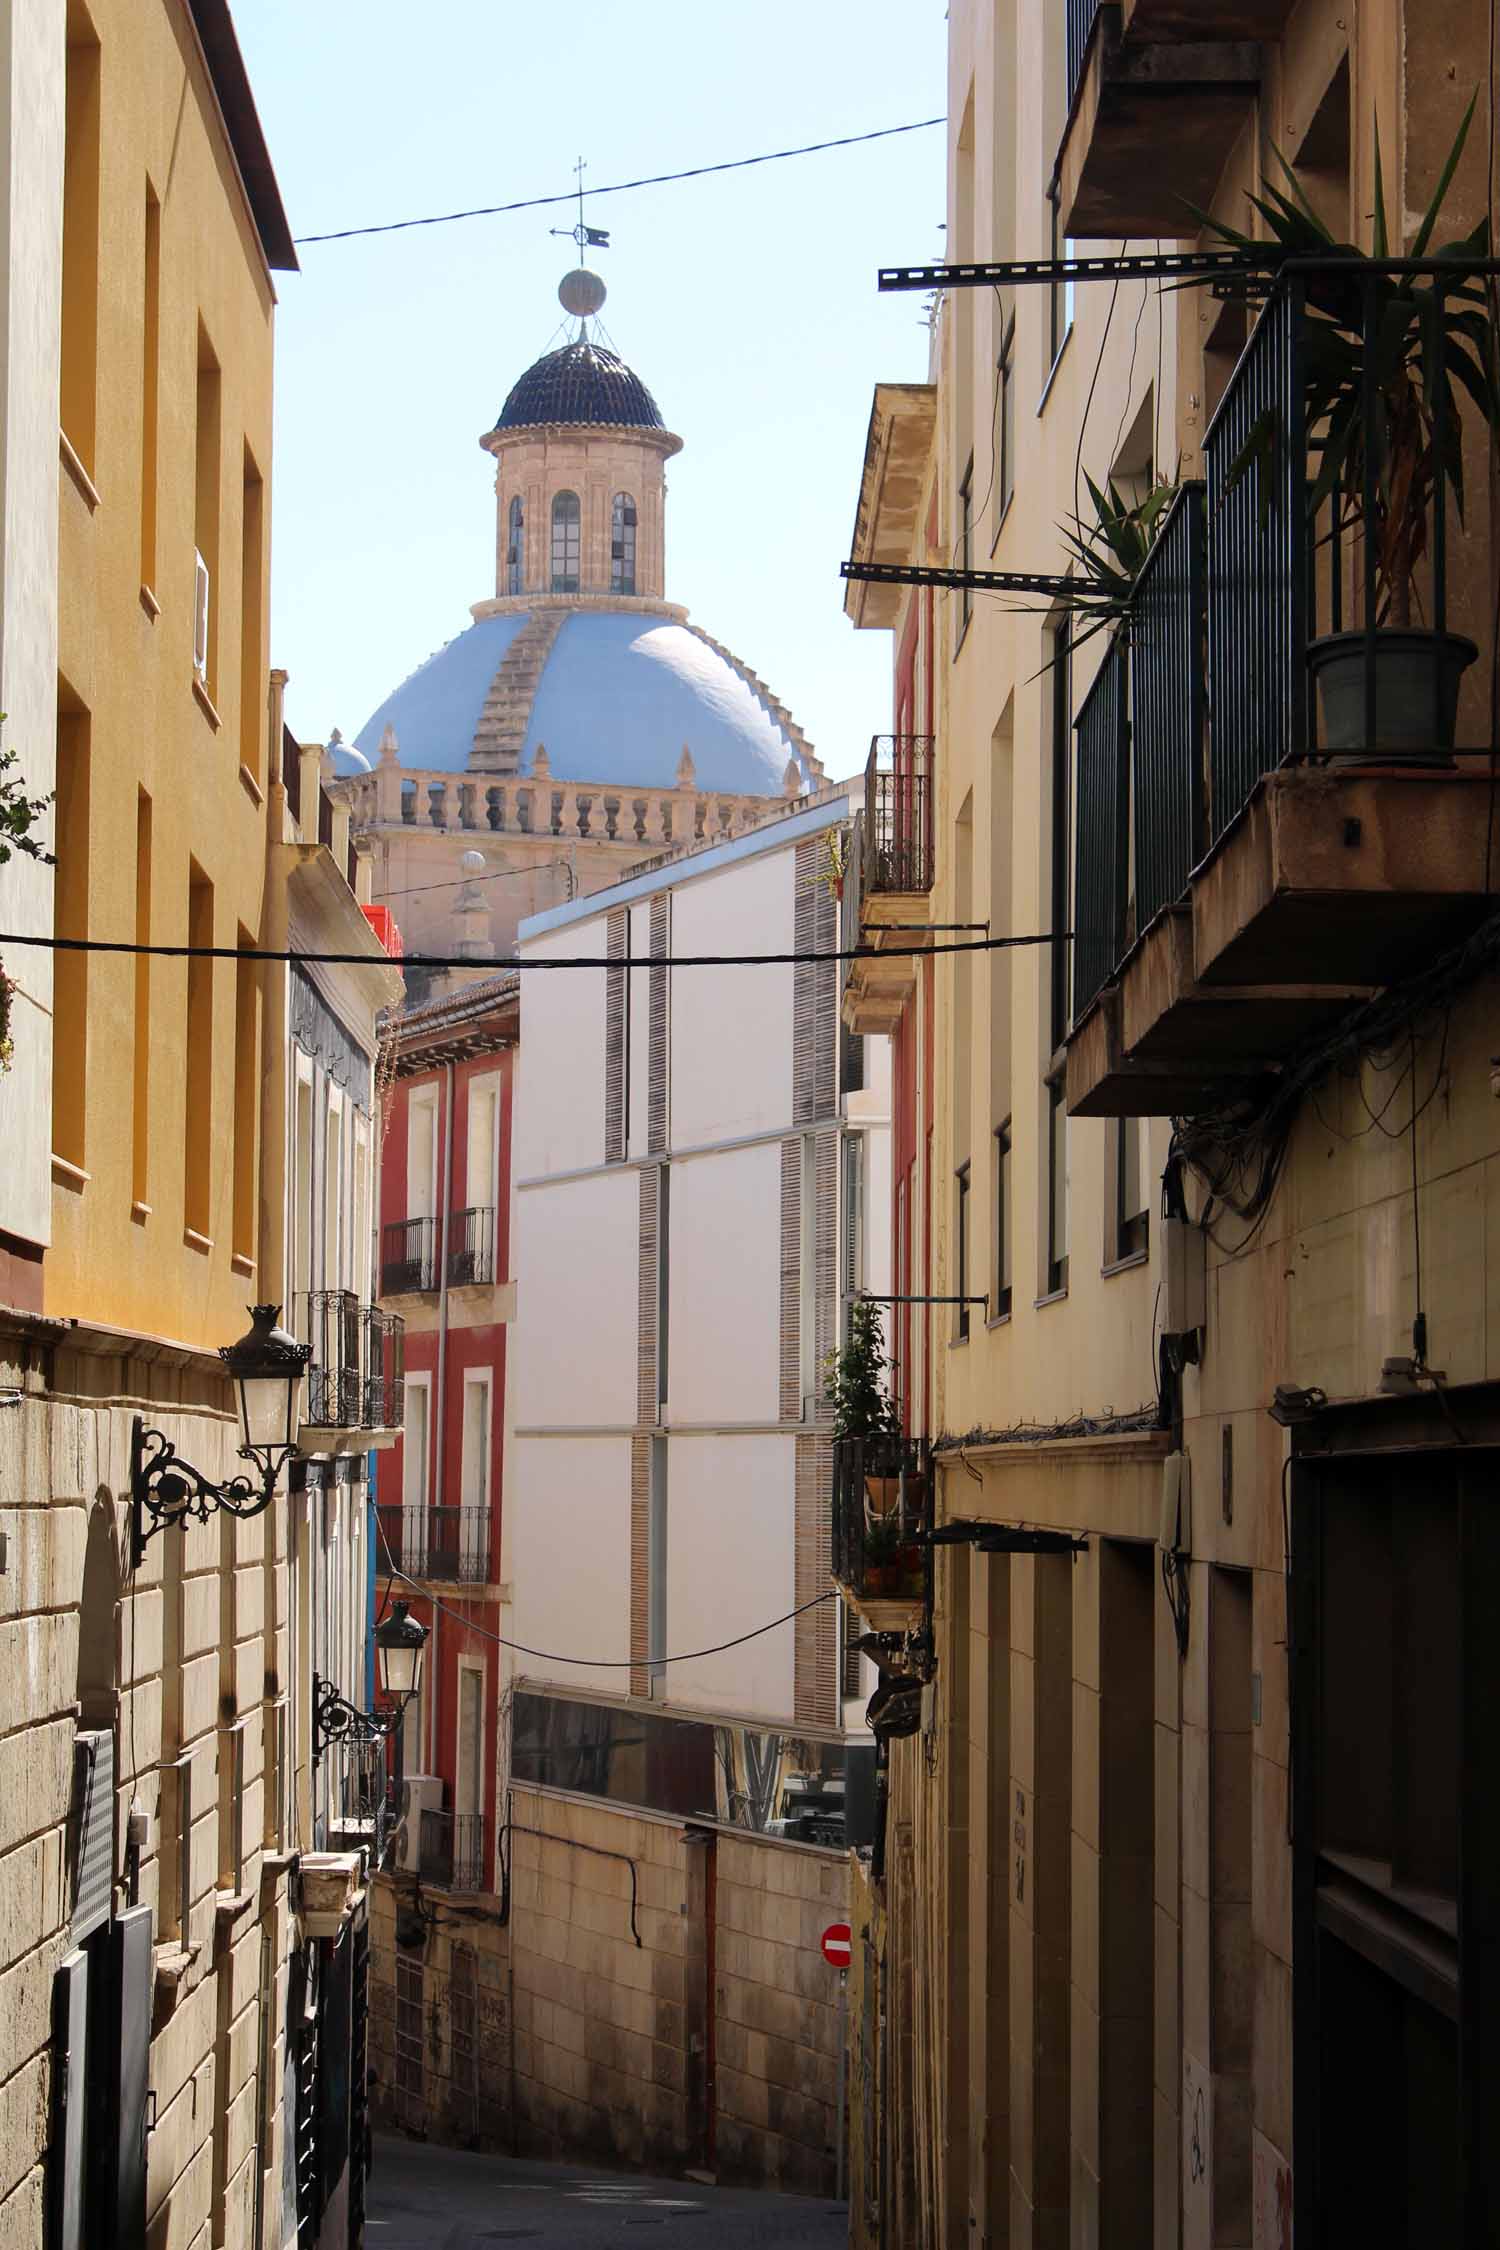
573 1348
568 1501
730 1524
559 1127
723 1362
732 1028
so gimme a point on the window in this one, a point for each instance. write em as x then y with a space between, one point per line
246 1099
622 545
566 533
70 918
469 1782
421 1154
252 553
484 1129
515 548
656 1569
961 1238
415 1441
206 516
1060 295
1055 1279
78 390
1132 1229
150 375
1005 425
475 1470
964 557
854 1214
1002 1220
1060 673
140 1133
198 1078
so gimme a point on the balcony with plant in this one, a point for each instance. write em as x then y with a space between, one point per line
879 1485
1281 775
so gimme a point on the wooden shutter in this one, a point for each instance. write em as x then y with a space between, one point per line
68 2175
657 1059
133 1981
616 1003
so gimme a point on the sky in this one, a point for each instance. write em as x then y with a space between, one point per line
746 302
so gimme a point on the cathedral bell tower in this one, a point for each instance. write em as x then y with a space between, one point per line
580 451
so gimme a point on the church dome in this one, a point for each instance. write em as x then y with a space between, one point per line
614 696
582 383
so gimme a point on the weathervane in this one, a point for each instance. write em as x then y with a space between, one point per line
586 237
580 292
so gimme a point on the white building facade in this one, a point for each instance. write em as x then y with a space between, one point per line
697 1153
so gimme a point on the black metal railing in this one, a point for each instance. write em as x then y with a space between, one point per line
1169 709
1255 453
331 1324
471 1246
408 1257
458 1545
360 1790
355 1377
453 1545
452 1850
879 1512
898 815
1081 14
384 1368
1102 846
291 773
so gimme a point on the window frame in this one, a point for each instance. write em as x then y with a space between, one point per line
566 581
624 524
515 546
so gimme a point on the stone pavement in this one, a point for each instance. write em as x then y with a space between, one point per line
427 2198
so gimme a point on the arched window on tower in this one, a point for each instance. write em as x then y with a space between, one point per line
515 548
565 539
622 545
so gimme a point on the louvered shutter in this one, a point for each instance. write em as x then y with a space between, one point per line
94 1808
68 2181
133 1980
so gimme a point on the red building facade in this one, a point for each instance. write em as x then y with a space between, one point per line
445 1266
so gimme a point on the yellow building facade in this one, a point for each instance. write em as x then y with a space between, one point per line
181 1861
1214 1137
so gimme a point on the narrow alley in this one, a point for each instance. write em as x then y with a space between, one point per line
426 2198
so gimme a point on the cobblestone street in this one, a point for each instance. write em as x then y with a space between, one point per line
427 2198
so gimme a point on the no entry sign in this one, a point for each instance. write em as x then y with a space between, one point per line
835 1944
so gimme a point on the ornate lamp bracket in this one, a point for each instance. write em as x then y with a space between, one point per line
166 1489
335 1719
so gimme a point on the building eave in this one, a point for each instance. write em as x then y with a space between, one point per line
898 444
231 83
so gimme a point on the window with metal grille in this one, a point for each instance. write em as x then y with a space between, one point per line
854 1214
622 545
567 532
515 547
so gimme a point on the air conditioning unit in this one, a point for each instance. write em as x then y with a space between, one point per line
420 1792
200 617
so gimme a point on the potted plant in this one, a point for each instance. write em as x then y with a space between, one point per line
855 1385
1109 554
885 1542
1424 346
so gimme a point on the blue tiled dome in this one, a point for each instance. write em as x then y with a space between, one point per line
581 383
621 693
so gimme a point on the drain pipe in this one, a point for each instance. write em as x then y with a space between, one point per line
440 1433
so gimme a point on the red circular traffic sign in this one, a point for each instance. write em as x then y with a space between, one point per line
835 1944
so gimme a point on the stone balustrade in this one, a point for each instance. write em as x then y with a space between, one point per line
536 805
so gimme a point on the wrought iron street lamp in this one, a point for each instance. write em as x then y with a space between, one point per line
399 1643
267 1366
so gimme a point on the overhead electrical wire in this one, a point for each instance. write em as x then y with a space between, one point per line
598 1663
622 187
534 961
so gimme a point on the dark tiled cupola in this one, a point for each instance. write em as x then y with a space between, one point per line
582 383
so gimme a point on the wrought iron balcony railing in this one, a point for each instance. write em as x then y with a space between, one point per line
1268 627
408 1257
449 1544
355 1376
880 1510
1081 14
452 1850
471 1247
897 829
360 1791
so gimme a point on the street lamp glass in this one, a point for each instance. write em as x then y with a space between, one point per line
401 1641
267 1366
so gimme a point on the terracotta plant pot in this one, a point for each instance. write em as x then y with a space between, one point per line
883 1493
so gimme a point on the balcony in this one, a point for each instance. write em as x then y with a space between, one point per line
1247 866
879 1513
355 1377
471 1248
1150 116
361 1801
891 872
1204 20
449 1546
408 1257
452 1850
